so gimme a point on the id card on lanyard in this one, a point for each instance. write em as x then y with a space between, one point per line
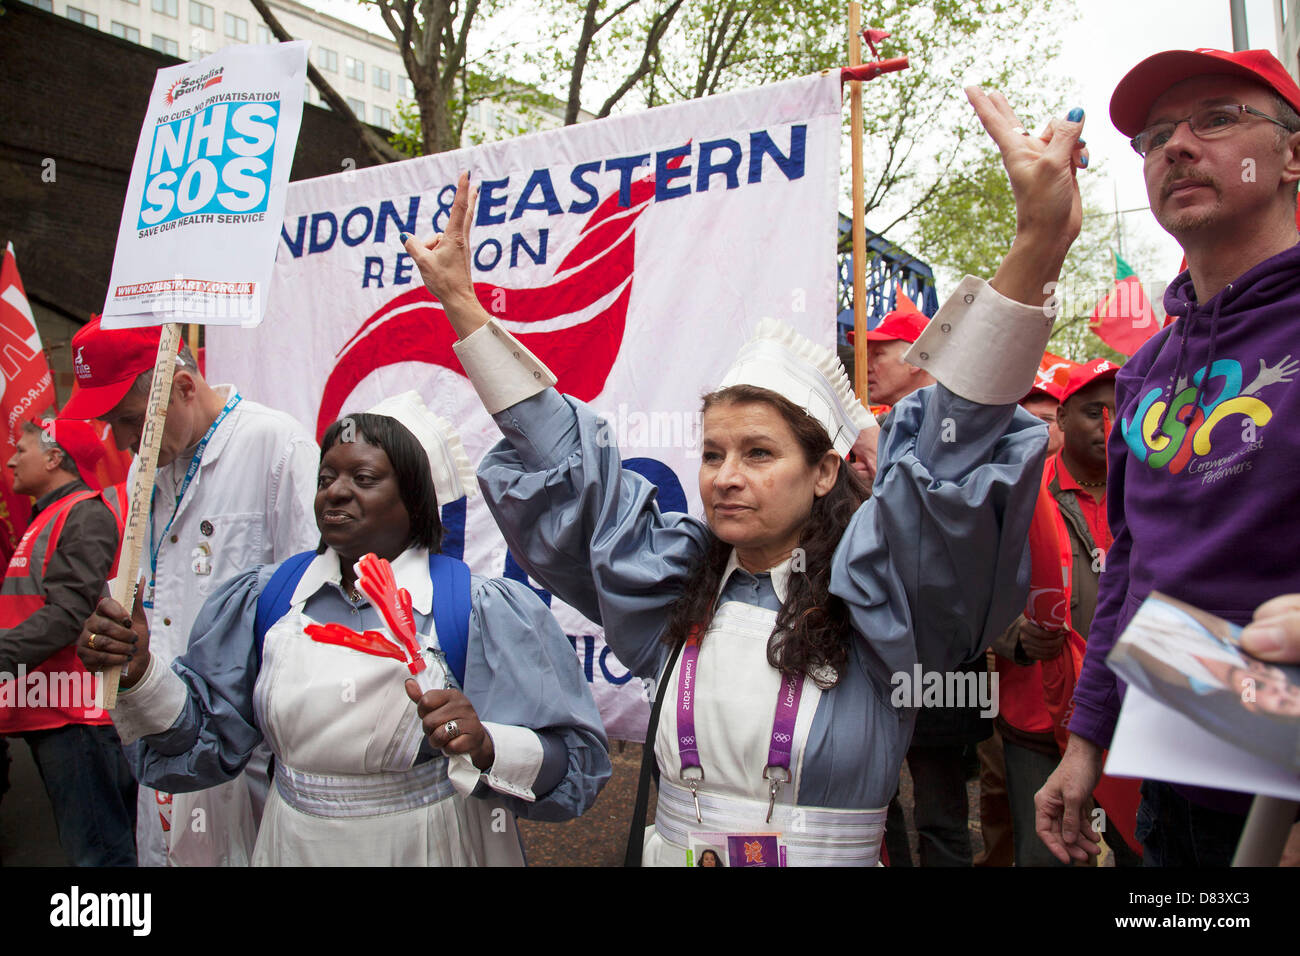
777 770
190 472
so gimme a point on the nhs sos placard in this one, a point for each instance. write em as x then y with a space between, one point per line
203 209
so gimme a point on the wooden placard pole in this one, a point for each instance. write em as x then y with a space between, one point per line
859 213
1265 834
137 520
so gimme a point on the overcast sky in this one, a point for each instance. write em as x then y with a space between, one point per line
1110 37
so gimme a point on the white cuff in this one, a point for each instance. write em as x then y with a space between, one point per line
983 346
517 761
501 369
151 706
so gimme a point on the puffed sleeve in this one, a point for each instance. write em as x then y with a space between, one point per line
936 565
521 673
191 726
586 528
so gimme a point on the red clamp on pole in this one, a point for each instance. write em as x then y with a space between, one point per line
869 71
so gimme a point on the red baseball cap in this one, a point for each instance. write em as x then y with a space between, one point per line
1148 81
903 324
80 442
106 363
1086 374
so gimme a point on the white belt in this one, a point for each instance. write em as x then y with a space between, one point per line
814 836
363 794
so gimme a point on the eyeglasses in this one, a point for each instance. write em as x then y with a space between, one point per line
1209 123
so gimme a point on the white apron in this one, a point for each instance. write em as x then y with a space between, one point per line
344 735
735 702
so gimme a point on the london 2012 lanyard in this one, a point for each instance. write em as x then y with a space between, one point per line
190 472
777 772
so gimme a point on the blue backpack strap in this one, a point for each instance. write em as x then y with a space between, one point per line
451 607
273 602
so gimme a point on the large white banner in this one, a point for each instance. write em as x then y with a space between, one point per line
203 208
633 255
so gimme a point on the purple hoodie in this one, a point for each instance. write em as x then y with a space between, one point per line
1204 498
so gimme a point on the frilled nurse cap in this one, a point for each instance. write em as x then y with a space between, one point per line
780 359
453 475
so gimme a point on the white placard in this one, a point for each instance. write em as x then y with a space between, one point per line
206 197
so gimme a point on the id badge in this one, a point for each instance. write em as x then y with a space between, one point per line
735 849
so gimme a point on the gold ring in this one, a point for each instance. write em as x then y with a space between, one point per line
91 643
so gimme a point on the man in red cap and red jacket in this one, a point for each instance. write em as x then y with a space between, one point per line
234 489
47 697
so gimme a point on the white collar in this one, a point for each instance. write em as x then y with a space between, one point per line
410 568
780 574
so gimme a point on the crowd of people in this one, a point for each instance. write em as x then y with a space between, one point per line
307 679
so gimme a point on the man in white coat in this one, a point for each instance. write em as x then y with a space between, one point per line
235 486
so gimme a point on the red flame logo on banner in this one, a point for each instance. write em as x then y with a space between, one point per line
577 318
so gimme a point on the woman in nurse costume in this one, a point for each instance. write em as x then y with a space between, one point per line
790 631
371 766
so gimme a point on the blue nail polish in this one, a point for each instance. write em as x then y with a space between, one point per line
1075 115
405 238
1083 142
1083 162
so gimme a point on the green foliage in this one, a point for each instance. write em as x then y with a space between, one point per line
406 138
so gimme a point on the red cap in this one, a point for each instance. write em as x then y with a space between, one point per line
901 324
1050 390
106 364
1086 374
1149 80
80 442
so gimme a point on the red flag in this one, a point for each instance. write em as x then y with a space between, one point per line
1124 319
28 392
112 467
1053 372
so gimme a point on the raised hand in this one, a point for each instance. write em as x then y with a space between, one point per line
444 263
1049 210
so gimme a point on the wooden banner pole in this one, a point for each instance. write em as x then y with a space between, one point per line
137 522
859 214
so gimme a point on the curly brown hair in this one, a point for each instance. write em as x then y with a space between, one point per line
812 628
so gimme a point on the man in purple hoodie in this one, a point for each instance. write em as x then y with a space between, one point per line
1205 453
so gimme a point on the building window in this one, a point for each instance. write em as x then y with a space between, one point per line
355 69
201 15
357 107
164 45
168 7
82 17
405 87
130 34
383 118
383 79
306 96
327 60
46 5
263 34
236 28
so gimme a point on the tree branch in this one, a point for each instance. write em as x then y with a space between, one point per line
375 145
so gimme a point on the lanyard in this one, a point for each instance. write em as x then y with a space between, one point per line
189 476
777 770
